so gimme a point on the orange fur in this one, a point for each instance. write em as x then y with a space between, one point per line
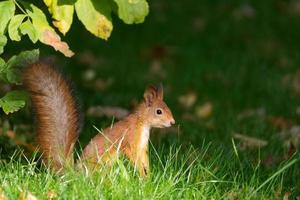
56 113
126 135
58 122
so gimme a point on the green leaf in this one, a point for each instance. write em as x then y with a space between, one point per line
23 59
132 11
13 101
66 2
46 33
3 41
62 14
27 28
2 70
11 71
2 66
13 75
13 27
7 9
95 16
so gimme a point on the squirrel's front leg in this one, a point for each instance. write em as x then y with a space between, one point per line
140 160
143 162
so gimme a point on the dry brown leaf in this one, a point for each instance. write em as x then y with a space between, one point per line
259 112
188 100
269 160
107 111
291 136
296 82
244 11
159 52
49 37
2 195
89 59
232 195
11 134
51 194
298 110
157 70
199 24
204 111
281 122
283 62
101 84
286 196
294 7
250 141
27 196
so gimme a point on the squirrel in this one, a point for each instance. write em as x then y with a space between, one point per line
58 122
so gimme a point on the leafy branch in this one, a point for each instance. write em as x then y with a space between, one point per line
95 15
19 18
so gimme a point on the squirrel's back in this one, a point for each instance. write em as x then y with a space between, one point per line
56 112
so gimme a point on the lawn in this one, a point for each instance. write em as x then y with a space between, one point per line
232 79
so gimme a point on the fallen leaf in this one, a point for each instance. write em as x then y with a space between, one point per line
294 7
101 84
269 161
49 37
27 196
88 58
107 111
259 112
188 116
11 134
284 62
231 195
159 52
250 141
244 11
298 110
281 122
188 100
199 24
291 136
51 194
286 196
296 82
157 70
89 75
2 195
204 111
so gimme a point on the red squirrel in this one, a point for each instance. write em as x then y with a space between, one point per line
58 122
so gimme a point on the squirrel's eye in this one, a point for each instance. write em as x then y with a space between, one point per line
158 111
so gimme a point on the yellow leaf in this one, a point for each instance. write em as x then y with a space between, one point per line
62 15
204 111
95 16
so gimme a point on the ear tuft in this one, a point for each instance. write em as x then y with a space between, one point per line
149 95
160 91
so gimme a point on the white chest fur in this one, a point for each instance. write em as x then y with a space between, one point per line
144 136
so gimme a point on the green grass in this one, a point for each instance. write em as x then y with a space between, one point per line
179 174
237 64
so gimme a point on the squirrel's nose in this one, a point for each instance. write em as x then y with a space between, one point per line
172 122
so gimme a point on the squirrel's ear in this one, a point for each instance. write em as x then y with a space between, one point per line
150 95
160 91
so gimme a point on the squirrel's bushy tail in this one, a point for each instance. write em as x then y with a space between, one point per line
56 113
